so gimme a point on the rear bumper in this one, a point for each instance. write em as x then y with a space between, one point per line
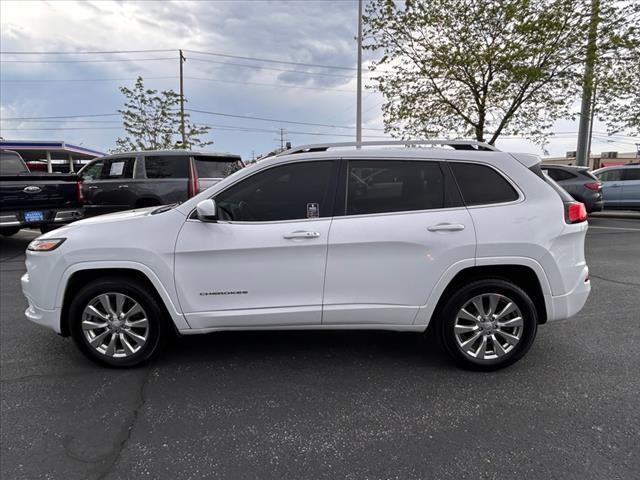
51 217
569 304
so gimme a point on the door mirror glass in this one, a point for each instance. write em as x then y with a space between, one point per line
206 211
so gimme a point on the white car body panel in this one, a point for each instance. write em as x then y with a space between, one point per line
384 271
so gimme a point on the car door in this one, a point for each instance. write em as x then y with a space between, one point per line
630 196
403 225
611 180
110 192
263 262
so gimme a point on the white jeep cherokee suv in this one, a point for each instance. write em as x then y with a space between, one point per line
474 242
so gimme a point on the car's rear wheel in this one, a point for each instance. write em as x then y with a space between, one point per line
7 232
117 322
488 324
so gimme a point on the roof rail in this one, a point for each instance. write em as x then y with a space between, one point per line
455 144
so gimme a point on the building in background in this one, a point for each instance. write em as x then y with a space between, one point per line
596 160
51 156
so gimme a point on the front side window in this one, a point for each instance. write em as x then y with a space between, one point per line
380 186
481 184
166 166
92 171
287 192
118 168
614 175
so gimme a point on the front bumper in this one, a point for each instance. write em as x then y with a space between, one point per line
41 316
569 304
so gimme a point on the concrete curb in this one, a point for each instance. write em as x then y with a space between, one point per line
616 214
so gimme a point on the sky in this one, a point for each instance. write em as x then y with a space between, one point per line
308 32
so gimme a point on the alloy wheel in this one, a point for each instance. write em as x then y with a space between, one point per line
115 325
488 326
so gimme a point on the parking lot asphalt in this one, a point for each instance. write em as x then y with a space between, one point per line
332 404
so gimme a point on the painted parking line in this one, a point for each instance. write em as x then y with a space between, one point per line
615 228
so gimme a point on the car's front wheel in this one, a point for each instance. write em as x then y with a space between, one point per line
488 324
117 322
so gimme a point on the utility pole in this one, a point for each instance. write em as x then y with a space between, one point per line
359 93
282 139
593 114
587 85
182 131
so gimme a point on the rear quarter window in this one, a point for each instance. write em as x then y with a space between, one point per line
166 166
217 167
481 184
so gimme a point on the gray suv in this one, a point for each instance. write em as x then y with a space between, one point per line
143 179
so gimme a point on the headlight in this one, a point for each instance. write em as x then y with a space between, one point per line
45 245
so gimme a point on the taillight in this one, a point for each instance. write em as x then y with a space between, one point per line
575 212
593 185
79 192
194 181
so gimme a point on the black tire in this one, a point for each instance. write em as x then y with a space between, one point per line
449 314
7 232
157 332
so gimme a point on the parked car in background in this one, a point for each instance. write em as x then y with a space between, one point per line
143 179
35 200
620 186
579 183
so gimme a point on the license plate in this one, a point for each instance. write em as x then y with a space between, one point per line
33 216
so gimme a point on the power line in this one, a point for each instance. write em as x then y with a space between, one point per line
270 60
263 119
92 115
7 52
271 68
111 60
200 52
257 84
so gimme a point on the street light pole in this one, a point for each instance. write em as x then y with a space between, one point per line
182 131
587 86
359 93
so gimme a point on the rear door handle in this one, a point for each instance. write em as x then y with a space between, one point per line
446 227
93 187
123 186
301 234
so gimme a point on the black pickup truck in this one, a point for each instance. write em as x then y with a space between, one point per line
35 200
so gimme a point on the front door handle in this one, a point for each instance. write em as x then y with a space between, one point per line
93 187
446 227
123 186
301 234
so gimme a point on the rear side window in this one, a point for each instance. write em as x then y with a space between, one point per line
166 166
11 164
117 168
216 167
482 185
379 186
558 175
610 175
631 174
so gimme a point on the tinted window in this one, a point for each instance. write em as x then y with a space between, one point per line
11 164
559 175
287 192
377 186
481 185
217 167
166 166
610 175
92 171
631 174
117 168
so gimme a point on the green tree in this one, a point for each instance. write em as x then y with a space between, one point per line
152 121
477 68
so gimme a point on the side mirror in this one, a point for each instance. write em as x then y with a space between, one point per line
206 211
